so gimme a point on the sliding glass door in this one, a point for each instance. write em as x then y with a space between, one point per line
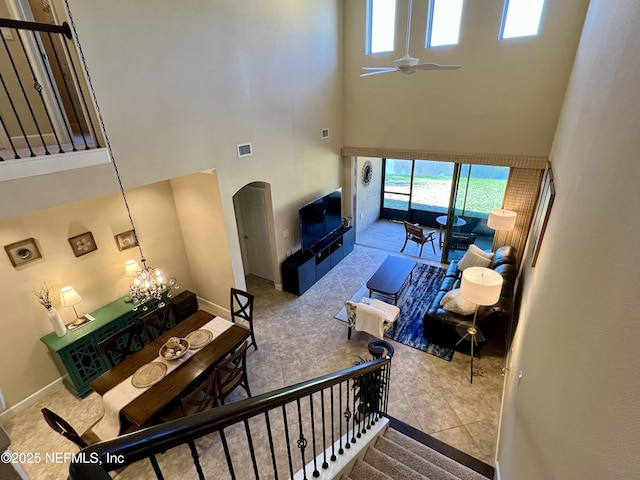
453 198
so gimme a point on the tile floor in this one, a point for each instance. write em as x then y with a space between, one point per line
298 339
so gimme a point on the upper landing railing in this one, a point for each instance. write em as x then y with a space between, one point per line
45 105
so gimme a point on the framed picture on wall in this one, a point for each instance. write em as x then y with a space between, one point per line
23 252
83 244
126 240
541 215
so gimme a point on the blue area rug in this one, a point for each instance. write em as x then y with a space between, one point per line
413 304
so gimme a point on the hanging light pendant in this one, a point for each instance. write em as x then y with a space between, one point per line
151 283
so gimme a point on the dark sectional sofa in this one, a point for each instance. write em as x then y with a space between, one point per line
440 325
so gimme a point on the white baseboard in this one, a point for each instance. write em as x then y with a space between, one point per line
497 477
214 308
31 400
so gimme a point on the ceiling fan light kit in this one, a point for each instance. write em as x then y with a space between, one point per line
407 64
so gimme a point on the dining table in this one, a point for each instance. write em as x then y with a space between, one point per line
138 408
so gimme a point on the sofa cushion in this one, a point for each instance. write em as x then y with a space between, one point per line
456 303
479 251
472 259
505 254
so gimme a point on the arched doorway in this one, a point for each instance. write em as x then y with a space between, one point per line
254 220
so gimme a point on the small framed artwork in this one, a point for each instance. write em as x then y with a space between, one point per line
83 244
541 214
23 252
126 240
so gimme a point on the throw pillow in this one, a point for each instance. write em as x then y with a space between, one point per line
459 304
450 295
481 252
472 259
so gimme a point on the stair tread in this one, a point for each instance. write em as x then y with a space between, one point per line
364 471
413 461
391 466
434 457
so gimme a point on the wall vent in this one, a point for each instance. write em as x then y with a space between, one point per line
325 133
244 150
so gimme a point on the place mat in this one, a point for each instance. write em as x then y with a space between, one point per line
199 338
148 374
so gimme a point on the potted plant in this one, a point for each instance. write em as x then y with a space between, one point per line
44 298
368 389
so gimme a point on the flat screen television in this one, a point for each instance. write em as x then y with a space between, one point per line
320 219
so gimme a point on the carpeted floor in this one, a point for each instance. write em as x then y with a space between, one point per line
412 303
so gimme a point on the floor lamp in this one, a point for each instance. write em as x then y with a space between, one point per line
481 286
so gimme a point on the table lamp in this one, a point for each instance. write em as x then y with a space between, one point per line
481 286
131 267
70 298
501 219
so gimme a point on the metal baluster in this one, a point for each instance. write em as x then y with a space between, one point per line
227 455
4 127
273 453
15 112
348 414
333 441
26 99
340 450
38 87
156 467
251 450
356 412
66 86
302 442
316 473
324 436
196 459
286 436
84 100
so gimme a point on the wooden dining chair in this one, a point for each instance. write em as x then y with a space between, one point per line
242 309
202 397
160 320
232 373
123 343
61 426
417 235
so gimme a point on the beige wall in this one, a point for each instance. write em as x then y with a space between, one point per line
368 198
97 276
505 99
574 414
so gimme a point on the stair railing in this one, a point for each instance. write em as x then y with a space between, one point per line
43 96
321 418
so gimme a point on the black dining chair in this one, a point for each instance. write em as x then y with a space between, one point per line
202 397
61 426
242 309
160 320
123 343
232 373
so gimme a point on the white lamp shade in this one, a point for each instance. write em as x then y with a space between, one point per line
481 285
131 268
500 219
69 297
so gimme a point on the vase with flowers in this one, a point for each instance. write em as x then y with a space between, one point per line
54 317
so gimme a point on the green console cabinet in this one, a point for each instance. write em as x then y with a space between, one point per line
77 355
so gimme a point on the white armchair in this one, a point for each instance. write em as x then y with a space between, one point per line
372 316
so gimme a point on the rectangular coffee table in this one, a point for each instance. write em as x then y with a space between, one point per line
392 277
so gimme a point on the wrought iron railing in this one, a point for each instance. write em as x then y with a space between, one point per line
258 437
45 106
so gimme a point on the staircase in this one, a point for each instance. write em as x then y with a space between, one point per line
395 456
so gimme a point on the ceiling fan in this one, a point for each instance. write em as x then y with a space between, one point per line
407 64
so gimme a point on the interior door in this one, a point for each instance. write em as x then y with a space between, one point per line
251 217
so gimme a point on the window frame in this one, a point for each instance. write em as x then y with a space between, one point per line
369 29
431 16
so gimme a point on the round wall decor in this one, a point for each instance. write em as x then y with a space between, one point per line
367 173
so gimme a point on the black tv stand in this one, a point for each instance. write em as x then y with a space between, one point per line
303 269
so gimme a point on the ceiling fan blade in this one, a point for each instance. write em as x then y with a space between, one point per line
381 69
435 66
377 72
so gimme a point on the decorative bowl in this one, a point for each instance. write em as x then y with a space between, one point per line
174 348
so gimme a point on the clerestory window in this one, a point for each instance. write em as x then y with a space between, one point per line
443 22
521 18
381 22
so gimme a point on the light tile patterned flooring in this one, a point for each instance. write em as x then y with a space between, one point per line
298 339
